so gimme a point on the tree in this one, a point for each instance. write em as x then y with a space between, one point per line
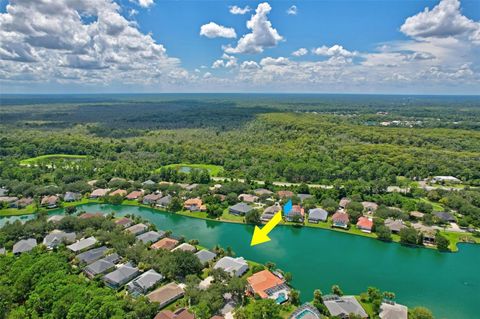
70 210
408 236
420 313
355 211
336 290
442 242
253 217
329 205
175 204
259 309
383 233
295 297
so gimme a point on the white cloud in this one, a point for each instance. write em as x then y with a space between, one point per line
227 61
213 30
145 3
293 10
249 65
263 35
300 52
444 20
217 64
48 41
239 10
335 50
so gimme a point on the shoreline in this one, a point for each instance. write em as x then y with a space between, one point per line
395 238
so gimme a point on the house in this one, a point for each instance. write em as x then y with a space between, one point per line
269 212
191 187
340 219
240 209
194 205
392 310
92 255
9 200
428 233
83 244
148 183
23 202
234 266
304 197
56 237
3 191
71 196
24 245
164 201
296 214
185 247
166 294
125 222
120 276
2 251
445 179
267 285
445 217
369 207
137 229
248 198
417 214
150 236
262 192
165 243
55 218
101 266
344 203
99 192
205 256
182 313
90 215
134 195
342 307
365 224
143 283
285 194
395 225
50 201
306 311
151 199
118 192
316 215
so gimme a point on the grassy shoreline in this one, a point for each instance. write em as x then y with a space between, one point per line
455 238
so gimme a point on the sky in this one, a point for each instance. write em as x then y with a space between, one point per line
155 46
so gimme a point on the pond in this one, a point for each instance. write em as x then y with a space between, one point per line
447 283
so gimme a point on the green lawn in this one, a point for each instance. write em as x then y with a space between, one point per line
30 209
33 160
456 238
214 170
436 206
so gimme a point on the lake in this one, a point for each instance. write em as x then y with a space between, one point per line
447 283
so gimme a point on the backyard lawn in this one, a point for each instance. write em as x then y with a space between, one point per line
214 170
34 160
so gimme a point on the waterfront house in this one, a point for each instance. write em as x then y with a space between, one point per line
306 311
143 283
248 198
428 233
118 192
50 201
150 236
269 212
365 224
267 285
55 218
125 222
120 276
137 229
240 209
395 225
304 197
56 237
296 214
134 195
285 194
194 205
24 245
90 215
262 192
234 266
182 313
369 207
342 307
9 200
340 219
392 310
205 256
316 215
83 244
99 193
445 217
344 203
151 199
71 196
22 202
185 247
165 243
166 294
164 201
101 266
92 255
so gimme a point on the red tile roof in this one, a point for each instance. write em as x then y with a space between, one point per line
134 195
262 281
365 223
340 217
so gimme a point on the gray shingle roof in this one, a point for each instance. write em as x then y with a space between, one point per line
24 245
144 282
102 265
234 266
83 244
137 229
341 306
317 214
121 276
56 237
151 236
205 256
92 254
240 208
445 216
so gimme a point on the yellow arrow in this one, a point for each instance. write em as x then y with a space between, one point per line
260 236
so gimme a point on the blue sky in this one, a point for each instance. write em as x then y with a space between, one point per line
355 46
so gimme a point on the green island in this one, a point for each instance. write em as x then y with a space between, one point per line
403 174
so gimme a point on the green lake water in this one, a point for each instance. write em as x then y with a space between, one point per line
447 283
